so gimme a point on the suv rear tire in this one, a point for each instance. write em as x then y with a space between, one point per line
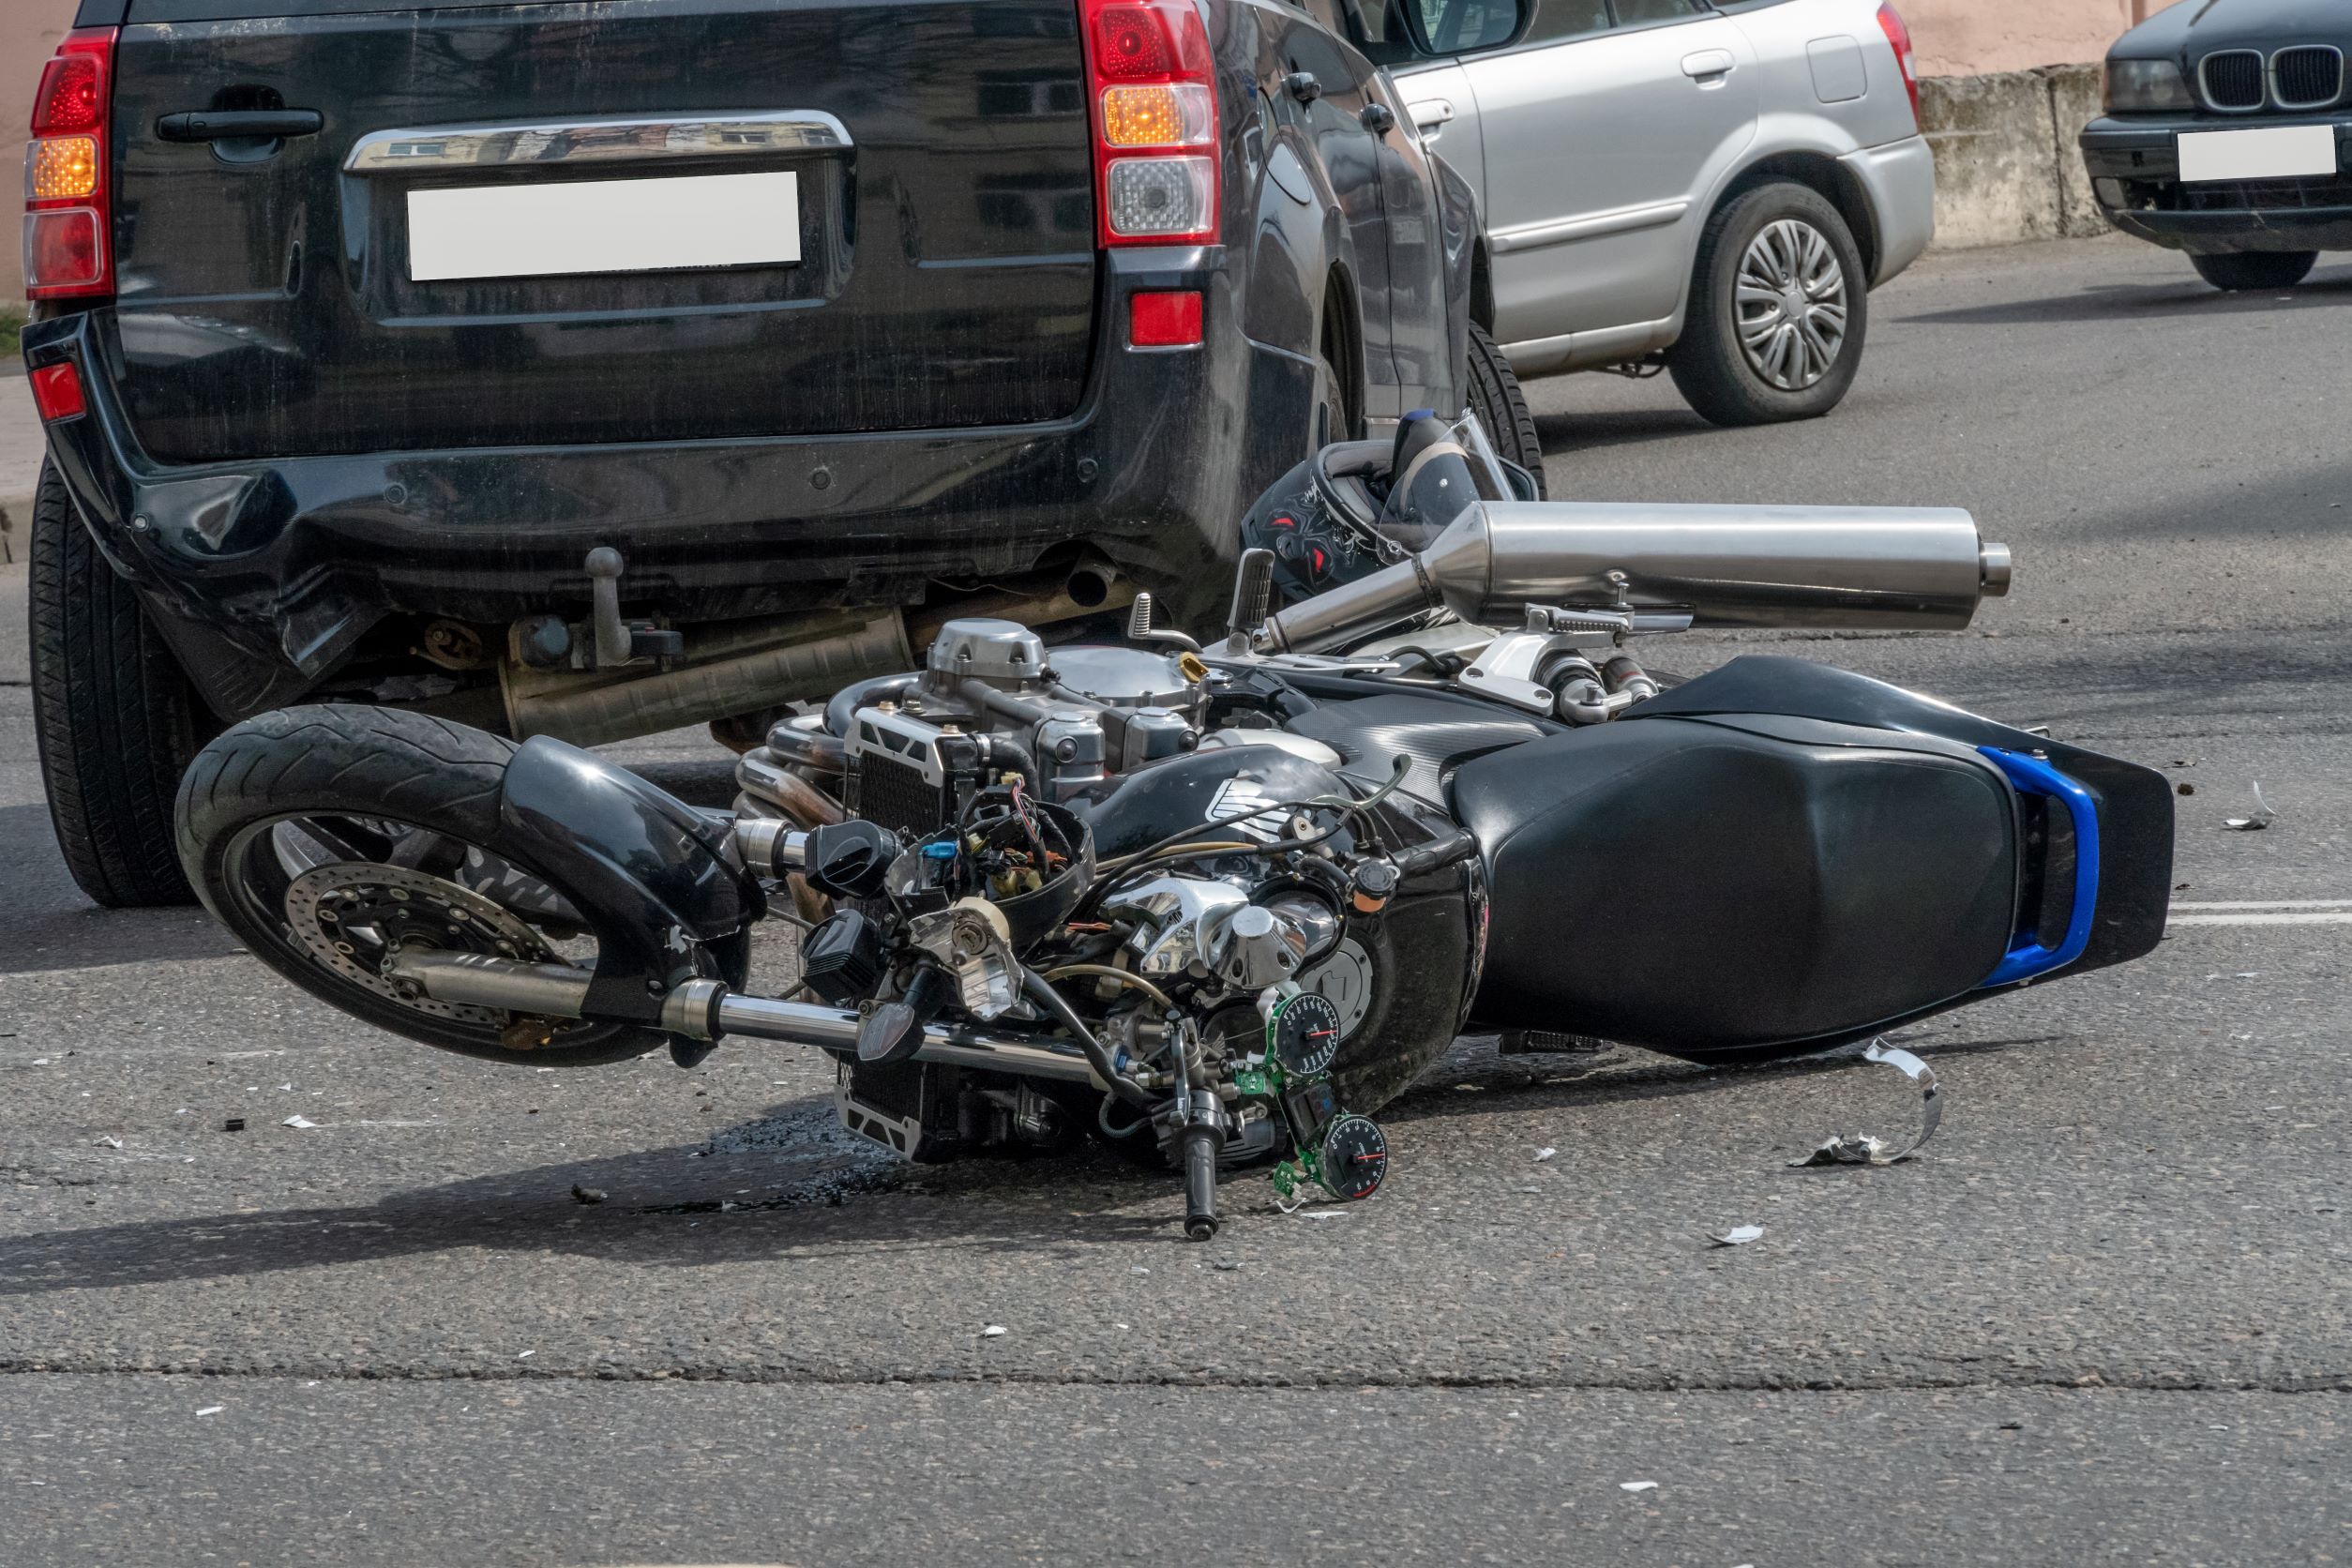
1496 398
1794 353
2257 269
115 719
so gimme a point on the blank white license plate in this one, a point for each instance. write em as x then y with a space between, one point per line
648 225
2267 153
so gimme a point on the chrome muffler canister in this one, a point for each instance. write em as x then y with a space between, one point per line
1822 567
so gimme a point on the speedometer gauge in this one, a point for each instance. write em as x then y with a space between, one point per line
1304 1035
1355 1157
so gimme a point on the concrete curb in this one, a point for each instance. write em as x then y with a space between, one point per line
2007 168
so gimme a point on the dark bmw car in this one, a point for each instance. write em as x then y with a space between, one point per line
2226 135
595 367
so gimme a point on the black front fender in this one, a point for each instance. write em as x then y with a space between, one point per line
661 883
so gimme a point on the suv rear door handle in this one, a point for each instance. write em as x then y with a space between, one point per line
1706 63
229 125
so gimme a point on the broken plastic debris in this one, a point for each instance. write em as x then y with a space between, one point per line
1323 1213
1866 1149
298 1120
586 1194
105 1142
993 1331
40 1062
1738 1235
212 1410
2262 815
1544 1153
526 1355
1636 1486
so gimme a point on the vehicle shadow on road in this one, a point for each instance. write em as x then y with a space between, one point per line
2326 289
685 1206
1565 433
46 922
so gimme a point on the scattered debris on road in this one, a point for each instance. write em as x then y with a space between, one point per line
105 1142
2263 816
1738 1235
1636 1486
233 1124
994 1330
298 1120
1544 1153
1868 1148
212 1410
587 1195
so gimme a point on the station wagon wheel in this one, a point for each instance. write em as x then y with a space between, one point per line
1791 301
1778 306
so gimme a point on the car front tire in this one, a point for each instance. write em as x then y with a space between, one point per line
1779 308
114 718
2257 269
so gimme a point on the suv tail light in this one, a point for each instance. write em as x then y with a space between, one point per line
1154 111
68 207
1891 23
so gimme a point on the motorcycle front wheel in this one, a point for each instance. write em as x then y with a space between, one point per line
332 838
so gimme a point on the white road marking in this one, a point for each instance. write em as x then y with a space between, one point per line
2265 904
2340 917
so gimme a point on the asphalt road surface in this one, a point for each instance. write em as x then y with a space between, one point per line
2102 1320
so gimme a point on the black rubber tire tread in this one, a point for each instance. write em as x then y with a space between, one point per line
2255 269
1496 398
358 760
1707 363
115 719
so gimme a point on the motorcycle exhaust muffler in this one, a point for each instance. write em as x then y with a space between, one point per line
1822 567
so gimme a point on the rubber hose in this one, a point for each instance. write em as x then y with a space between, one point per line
1051 1000
858 694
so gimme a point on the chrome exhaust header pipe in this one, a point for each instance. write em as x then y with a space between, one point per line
1823 568
706 1010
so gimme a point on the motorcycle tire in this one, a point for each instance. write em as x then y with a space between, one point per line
384 787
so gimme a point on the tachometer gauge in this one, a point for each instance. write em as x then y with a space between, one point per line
1305 1035
1355 1157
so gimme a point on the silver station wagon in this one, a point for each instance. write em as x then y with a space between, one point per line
1711 187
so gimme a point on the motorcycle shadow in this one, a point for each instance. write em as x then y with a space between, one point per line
789 1184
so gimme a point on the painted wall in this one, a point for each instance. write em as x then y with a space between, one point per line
29 31
1970 38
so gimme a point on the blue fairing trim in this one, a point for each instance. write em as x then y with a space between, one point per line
2030 776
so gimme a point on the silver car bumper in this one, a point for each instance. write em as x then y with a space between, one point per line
1900 179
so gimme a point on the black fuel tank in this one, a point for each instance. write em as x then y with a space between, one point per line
1709 885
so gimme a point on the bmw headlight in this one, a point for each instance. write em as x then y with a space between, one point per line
2146 86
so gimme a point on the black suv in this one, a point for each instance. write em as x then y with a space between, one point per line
591 369
2226 135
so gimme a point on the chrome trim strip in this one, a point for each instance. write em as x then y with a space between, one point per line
2205 85
1624 220
2271 77
439 149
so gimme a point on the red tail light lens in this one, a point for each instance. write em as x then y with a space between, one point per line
57 393
73 92
1164 320
68 210
1152 101
1899 37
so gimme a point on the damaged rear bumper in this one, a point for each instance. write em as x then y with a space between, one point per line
267 575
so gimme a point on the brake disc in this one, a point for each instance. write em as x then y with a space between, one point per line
352 916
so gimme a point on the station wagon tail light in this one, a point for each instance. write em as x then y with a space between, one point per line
68 207
1154 106
1891 23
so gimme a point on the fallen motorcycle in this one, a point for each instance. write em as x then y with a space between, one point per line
1218 903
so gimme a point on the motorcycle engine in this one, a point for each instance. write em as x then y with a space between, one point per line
1223 912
